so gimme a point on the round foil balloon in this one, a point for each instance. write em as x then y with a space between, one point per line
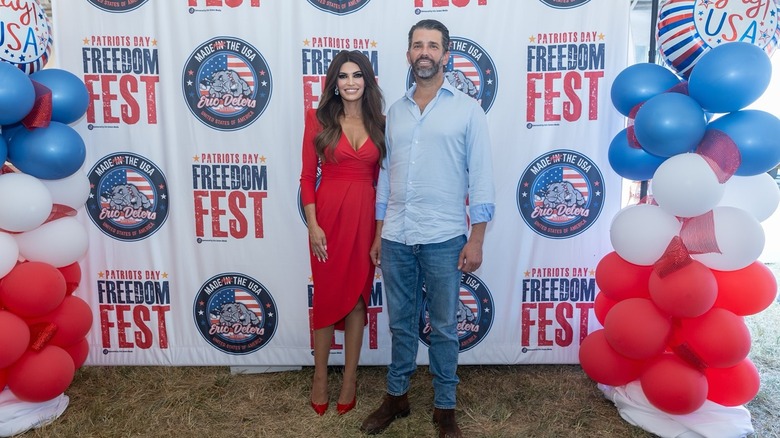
27 35
687 29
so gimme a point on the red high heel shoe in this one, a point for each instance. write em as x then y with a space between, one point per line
343 409
319 409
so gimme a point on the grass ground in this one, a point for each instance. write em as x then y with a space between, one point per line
494 401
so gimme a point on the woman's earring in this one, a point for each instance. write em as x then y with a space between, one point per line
336 91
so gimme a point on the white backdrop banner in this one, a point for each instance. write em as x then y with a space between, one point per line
198 249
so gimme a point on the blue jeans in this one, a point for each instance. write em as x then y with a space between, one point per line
404 269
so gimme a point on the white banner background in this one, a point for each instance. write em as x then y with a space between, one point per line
516 50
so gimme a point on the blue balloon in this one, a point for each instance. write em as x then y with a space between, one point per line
629 162
8 131
757 136
638 83
730 77
54 152
3 151
17 94
669 124
69 96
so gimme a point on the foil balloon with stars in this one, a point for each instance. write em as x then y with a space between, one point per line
25 40
687 29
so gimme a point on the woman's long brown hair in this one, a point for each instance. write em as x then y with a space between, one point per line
331 108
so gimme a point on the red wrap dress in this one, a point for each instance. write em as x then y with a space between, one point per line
345 210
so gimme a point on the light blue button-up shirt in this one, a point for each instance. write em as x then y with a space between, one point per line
434 161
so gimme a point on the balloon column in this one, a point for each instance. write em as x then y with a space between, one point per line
684 270
42 324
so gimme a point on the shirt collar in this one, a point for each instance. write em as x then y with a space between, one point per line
444 86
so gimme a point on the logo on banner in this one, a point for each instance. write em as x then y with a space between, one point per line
235 313
443 5
227 84
339 7
121 74
564 76
117 5
557 302
373 309
133 309
475 313
228 190
128 198
564 4
216 4
469 69
560 194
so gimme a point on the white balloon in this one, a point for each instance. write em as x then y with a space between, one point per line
58 243
72 190
25 203
641 233
740 239
686 186
757 195
9 253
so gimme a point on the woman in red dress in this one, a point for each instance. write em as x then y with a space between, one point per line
344 138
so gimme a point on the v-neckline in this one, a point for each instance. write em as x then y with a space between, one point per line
351 146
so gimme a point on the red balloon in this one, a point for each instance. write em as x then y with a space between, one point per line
637 329
719 338
673 386
14 338
32 289
685 293
620 279
72 274
73 319
41 376
601 306
733 386
3 378
746 291
78 352
605 365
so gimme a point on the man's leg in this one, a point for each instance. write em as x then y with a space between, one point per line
442 289
403 283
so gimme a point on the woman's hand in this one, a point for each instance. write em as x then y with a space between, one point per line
319 245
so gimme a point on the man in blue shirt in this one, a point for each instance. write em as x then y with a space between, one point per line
438 161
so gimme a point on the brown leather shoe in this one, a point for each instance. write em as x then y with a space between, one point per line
392 407
444 419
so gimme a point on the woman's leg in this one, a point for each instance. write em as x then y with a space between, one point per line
353 341
319 387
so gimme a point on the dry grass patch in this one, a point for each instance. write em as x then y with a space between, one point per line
494 401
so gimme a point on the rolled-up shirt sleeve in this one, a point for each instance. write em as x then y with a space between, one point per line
482 203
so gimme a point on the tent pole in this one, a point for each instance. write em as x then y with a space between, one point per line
643 186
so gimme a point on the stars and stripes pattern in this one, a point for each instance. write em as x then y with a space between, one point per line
230 296
226 62
465 65
126 176
682 45
561 173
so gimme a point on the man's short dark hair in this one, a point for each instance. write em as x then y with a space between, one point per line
432 25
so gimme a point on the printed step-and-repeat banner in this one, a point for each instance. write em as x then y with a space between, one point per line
198 249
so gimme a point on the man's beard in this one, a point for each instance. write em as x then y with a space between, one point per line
429 72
